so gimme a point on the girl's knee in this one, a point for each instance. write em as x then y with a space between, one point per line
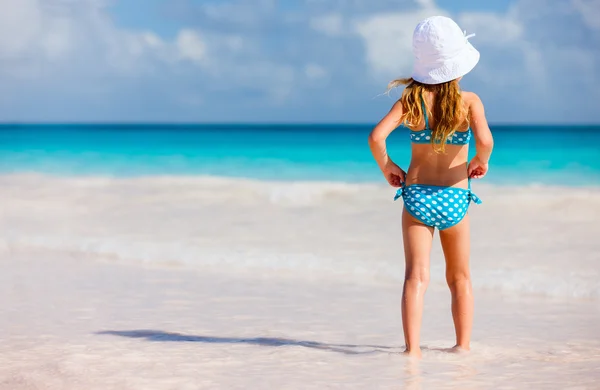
419 275
457 278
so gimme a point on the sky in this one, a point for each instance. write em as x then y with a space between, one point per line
309 61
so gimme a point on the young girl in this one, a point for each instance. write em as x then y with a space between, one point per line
436 190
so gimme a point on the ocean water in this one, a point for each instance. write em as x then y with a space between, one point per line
524 155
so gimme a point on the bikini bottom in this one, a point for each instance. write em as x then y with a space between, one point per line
437 206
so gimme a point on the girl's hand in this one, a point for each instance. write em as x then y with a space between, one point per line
394 174
477 168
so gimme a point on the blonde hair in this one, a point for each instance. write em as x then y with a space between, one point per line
449 110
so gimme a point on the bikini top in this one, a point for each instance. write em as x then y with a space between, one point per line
424 136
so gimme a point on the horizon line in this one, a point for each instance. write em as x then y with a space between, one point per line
265 123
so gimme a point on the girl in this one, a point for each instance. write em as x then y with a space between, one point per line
436 190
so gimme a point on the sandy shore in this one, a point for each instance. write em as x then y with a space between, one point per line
72 322
186 283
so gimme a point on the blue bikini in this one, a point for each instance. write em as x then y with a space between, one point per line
437 206
424 136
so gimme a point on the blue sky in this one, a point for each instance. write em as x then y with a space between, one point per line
284 61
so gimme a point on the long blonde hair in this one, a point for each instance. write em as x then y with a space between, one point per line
449 110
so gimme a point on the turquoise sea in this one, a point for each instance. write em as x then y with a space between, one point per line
558 155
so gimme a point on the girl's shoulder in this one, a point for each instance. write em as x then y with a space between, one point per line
470 98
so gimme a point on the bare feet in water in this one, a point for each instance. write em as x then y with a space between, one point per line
415 353
459 349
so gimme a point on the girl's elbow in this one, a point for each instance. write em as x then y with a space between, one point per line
486 143
374 138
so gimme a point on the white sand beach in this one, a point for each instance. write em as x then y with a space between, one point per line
189 283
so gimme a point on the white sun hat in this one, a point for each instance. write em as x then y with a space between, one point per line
442 51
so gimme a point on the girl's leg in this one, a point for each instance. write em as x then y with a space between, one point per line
417 247
456 246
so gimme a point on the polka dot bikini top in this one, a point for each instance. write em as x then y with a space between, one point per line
424 136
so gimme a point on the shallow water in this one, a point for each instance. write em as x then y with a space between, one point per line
72 322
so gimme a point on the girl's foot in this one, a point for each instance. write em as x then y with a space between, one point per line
414 353
459 349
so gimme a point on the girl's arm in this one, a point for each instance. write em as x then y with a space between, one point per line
484 142
392 172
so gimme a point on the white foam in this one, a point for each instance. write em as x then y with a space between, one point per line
524 240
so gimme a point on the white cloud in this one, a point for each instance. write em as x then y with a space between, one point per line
315 72
332 24
58 53
191 46
491 28
503 33
546 51
16 36
388 40
590 12
57 42
58 32
241 12
426 3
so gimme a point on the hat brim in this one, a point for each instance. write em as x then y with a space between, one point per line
450 69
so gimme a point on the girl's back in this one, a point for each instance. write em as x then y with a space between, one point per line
445 169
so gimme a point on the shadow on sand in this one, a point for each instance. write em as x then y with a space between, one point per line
161 336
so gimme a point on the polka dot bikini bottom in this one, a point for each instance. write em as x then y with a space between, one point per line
437 206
